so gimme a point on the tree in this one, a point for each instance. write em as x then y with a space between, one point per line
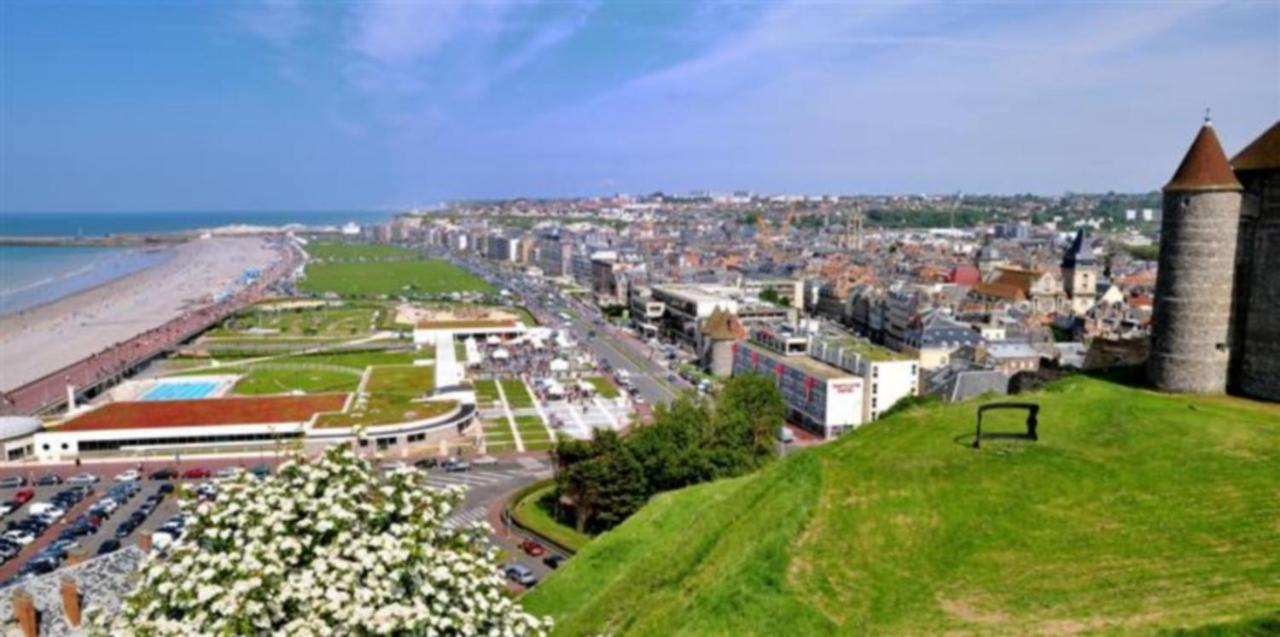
325 547
748 413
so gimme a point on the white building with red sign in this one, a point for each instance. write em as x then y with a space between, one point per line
830 387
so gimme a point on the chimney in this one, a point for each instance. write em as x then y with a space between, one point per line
24 608
71 601
144 542
71 398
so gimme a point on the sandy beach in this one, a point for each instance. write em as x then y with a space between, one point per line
37 341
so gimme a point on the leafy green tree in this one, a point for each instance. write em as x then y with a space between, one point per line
748 413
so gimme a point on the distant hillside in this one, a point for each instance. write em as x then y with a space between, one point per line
1136 512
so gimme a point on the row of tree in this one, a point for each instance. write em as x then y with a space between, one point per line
604 480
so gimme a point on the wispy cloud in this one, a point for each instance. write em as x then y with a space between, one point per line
278 22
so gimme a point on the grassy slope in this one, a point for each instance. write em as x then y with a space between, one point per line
1135 511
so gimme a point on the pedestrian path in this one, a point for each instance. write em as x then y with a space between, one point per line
511 419
474 478
465 518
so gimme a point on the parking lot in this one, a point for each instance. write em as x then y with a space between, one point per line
87 545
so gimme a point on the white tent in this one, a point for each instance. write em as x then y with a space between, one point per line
559 365
501 354
493 339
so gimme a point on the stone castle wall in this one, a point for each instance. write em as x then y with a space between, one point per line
1256 360
1190 349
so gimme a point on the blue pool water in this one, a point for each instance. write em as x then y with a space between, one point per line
180 391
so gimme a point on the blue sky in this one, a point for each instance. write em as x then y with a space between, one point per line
177 105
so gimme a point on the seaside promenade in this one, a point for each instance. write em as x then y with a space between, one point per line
114 362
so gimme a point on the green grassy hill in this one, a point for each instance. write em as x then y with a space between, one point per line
1136 512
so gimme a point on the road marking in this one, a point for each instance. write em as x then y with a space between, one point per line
464 518
511 419
607 413
537 405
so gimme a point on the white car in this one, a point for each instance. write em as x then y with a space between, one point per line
227 472
46 509
108 505
83 478
394 467
131 475
21 537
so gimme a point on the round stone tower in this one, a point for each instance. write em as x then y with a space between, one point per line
1190 341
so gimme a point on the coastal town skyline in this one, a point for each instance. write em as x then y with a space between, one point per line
285 105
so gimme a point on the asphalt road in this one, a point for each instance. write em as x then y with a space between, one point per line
647 370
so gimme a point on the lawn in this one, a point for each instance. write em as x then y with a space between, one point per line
363 359
534 510
304 322
1135 512
604 387
498 436
534 433
384 410
392 278
486 391
311 381
517 394
401 380
343 251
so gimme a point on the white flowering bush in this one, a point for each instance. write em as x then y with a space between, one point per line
326 547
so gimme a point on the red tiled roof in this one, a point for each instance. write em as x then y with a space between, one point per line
148 414
1262 153
1205 166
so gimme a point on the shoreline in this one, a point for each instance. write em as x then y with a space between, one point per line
172 251
44 338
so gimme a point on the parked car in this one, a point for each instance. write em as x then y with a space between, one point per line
110 545
553 561
261 471
46 509
427 463
13 482
21 536
129 476
165 489
532 548
227 473
521 575
197 473
484 461
48 480
9 507
83 478
457 465
164 474
393 467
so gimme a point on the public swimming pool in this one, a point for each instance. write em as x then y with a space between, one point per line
181 391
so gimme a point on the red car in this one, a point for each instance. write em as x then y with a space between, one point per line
534 549
197 473
24 495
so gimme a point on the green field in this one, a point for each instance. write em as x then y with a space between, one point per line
392 278
311 381
517 394
341 251
311 322
401 380
533 510
486 391
363 359
604 387
1134 513
498 436
533 433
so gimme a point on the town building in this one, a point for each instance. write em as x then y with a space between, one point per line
830 386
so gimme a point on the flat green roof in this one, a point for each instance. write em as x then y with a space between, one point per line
804 363
871 351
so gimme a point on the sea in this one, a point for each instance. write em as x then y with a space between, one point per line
32 276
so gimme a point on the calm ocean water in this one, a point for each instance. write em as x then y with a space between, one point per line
31 276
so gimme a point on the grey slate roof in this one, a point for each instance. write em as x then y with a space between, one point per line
103 582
